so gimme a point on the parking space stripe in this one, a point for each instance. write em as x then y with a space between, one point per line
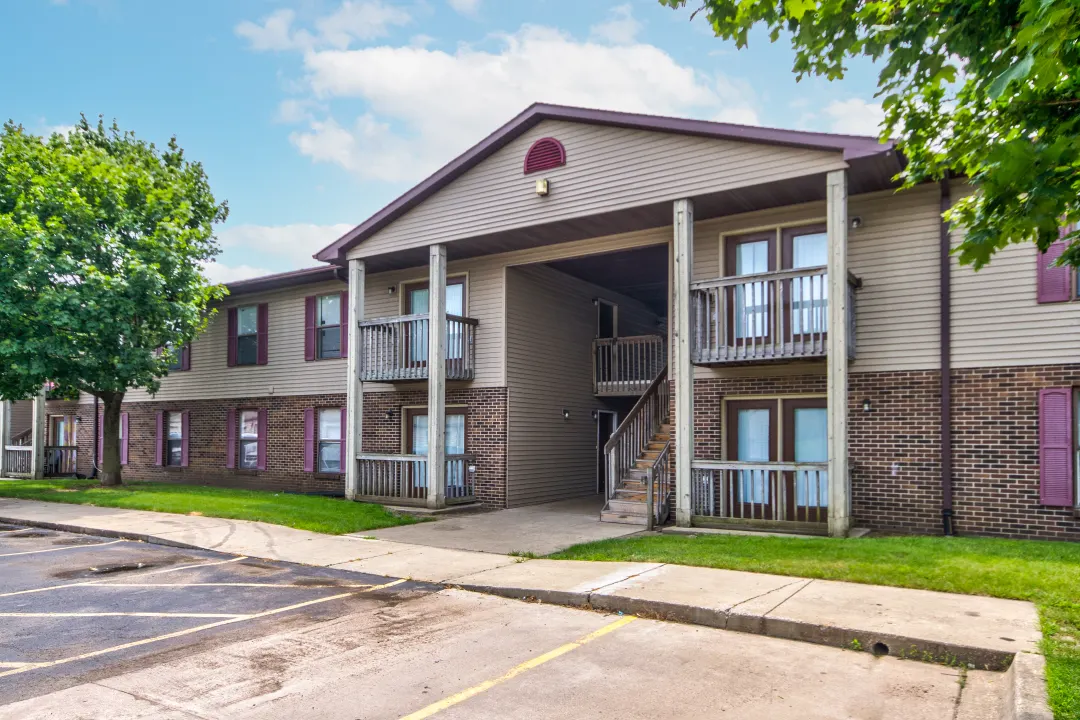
537 661
69 547
190 631
234 584
118 614
89 583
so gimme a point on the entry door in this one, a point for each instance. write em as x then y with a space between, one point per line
748 303
808 312
606 422
418 302
806 438
416 441
752 438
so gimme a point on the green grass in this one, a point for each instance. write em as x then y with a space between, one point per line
1046 573
306 512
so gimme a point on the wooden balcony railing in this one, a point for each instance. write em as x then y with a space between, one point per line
768 316
18 460
395 349
61 460
627 365
403 479
767 494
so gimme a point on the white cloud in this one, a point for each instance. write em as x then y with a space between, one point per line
216 272
285 247
854 117
365 20
435 104
621 28
465 7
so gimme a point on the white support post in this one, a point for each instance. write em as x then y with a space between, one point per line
37 437
5 434
354 413
839 479
437 378
683 369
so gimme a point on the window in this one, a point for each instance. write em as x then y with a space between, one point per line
330 434
247 335
416 300
328 321
179 358
174 439
249 439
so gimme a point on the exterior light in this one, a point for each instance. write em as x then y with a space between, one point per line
856 222
542 187
866 405
391 290
565 414
595 414
390 413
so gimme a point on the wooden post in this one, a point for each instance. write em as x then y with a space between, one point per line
437 378
37 437
683 369
839 480
5 434
354 413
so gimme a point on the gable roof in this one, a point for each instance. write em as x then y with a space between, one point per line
852 147
292 278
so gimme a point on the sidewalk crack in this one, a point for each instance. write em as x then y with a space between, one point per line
628 577
774 609
769 592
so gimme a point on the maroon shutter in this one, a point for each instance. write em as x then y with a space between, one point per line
309 328
262 436
1056 482
100 437
344 445
232 336
1054 283
230 438
309 440
185 357
264 333
185 437
158 450
344 323
125 430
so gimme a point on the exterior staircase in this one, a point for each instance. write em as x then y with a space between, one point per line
627 504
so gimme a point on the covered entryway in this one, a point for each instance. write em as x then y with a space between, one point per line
537 529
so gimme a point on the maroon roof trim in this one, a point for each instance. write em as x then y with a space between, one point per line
852 146
285 279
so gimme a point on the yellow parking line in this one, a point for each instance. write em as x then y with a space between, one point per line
106 582
189 631
118 614
69 547
475 690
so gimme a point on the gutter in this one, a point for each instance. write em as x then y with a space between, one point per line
947 520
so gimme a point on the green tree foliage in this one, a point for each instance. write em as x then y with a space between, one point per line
987 89
102 242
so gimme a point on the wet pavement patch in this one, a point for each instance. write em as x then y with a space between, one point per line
109 569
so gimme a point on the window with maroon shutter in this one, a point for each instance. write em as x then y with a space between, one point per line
1054 284
249 439
330 434
1057 482
545 154
246 344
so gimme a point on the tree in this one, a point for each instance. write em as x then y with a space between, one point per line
102 243
986 89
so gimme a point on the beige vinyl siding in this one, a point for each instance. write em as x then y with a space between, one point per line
551 322
894 252
606 169
22 416
286 371
996 320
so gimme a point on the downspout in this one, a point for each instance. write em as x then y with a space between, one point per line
94 454
946 364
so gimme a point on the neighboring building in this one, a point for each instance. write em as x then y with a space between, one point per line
585 262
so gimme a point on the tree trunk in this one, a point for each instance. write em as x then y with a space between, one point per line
110 438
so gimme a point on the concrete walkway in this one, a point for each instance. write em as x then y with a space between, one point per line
981 632
536 529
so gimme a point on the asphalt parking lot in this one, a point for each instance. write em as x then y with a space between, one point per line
98 628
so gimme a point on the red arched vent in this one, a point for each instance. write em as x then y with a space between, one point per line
545 153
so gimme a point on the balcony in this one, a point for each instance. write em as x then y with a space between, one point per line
780 315
626 366
395 349
785 496
403 479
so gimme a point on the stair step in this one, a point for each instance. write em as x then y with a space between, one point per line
624 519
626 507
626 496
656 445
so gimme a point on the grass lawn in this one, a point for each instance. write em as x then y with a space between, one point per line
305 512
1046 573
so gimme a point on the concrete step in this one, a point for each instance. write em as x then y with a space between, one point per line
627 507
623 519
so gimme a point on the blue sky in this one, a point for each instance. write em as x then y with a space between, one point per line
310 115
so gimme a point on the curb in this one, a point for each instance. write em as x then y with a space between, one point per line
117 534
833 636
1025 689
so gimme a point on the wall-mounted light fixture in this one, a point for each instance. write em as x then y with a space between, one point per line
565 414
856 222
595 414
866 405
542 187
391 290
390 413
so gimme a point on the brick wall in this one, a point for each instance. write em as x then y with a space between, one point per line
485 429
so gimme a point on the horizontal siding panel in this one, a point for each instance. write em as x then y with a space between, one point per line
607 169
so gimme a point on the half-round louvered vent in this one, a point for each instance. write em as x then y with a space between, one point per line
545 153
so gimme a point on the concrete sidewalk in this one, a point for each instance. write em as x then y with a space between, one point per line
980 632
